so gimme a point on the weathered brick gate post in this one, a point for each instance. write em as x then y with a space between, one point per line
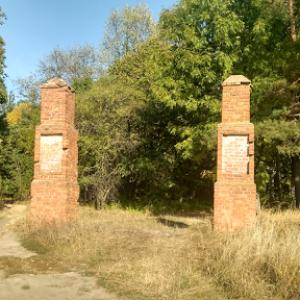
235 190
54 189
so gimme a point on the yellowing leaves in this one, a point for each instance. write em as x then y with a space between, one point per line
15 116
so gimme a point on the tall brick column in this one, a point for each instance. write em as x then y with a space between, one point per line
235 190
54 189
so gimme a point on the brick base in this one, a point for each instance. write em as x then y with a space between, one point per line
54 205
234 204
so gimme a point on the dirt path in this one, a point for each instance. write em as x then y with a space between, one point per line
67 286
9 243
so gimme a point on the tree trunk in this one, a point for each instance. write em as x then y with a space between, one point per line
296 179
292 20
97 204
277 181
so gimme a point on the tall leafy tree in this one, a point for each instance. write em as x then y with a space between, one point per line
180 70
20 146
102 120
125 30
106 109
199 44
268 56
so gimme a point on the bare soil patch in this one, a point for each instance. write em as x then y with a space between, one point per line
16 259
67 286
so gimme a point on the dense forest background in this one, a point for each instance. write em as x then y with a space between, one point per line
148 103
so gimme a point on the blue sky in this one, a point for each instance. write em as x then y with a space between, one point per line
34 27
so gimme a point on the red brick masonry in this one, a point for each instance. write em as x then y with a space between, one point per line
54 189
235 190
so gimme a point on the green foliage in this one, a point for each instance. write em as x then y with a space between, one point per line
125 30
179 71
203 38
148 107
265 39
268 56
103 112
16 156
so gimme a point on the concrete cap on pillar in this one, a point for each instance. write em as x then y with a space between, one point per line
55 83
236 80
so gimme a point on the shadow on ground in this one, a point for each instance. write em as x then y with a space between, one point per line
173 224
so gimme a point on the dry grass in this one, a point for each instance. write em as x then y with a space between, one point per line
144 257
260 264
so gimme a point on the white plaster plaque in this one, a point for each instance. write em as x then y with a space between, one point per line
235 157
51 153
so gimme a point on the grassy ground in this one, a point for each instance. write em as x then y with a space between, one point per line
140 256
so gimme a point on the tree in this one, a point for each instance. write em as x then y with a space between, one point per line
3 104
268 55
3 94
73 65
179 71
16 155
102 114
292 17
125 30
294 113
204 40
28 89
106 108
199 44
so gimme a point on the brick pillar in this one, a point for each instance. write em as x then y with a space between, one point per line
235 190
54 189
